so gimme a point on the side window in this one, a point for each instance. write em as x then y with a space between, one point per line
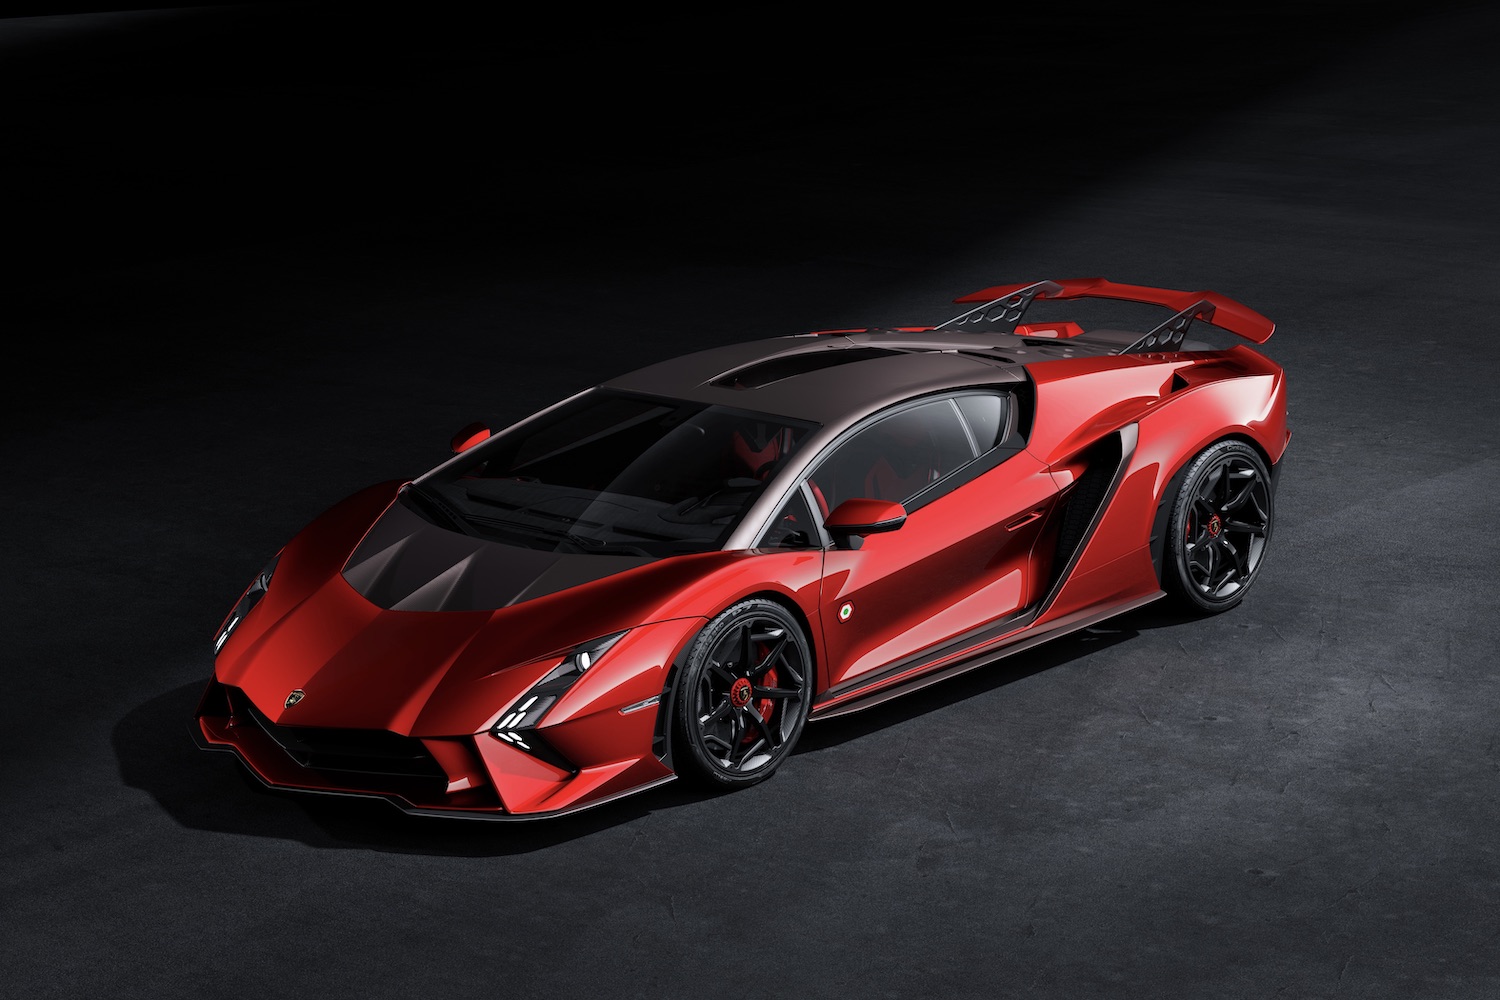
895 458
792 527
986 415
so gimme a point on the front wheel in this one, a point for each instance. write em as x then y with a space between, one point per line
1220 526
744 695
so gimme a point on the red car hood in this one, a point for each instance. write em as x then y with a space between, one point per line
433 664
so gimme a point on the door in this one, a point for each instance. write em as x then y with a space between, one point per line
961 563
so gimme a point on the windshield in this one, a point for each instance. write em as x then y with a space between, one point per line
613 473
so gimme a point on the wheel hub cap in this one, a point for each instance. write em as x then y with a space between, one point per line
1215 526
739 693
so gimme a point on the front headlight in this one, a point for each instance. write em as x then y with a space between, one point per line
248 600
517 727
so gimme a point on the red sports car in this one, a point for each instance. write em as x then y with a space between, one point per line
672 572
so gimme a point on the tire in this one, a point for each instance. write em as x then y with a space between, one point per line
743 697
1219 529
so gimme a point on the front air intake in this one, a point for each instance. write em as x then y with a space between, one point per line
362 751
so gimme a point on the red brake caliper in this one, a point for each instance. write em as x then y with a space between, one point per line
740 695
765 705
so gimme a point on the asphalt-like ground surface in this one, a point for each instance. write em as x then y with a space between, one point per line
259 257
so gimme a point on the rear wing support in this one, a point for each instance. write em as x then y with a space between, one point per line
1008 303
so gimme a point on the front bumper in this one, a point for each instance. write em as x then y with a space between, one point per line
606 737
433 777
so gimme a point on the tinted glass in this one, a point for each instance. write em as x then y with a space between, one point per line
895 458
610 473
792 527
985 415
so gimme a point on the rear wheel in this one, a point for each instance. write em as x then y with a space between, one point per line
744 695
1220 526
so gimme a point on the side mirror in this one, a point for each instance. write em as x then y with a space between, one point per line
853 519
469 437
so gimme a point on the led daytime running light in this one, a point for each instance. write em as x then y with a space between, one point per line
249 599
516 726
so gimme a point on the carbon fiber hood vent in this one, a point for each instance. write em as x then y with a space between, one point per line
407 564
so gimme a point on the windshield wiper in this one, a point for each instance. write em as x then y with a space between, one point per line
437 507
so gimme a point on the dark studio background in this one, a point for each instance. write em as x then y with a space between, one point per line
259 256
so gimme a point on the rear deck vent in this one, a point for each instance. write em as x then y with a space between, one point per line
763 373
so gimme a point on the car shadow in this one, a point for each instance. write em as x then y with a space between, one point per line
213 792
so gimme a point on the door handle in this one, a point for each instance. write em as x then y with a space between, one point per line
1024 519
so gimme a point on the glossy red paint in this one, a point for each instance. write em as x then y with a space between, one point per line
951 568
468 437
431 675
865 516
973 572
1054 331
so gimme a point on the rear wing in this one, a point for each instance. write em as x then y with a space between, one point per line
1008 303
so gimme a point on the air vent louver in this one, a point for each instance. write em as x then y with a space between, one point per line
763 373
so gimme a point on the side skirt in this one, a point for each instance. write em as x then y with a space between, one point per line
1015 644
990 642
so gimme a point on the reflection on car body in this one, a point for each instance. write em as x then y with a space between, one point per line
672 572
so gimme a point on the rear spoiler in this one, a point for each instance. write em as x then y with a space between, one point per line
1007 303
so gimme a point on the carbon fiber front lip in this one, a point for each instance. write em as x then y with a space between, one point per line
492 813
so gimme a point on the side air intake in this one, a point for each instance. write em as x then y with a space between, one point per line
1104 462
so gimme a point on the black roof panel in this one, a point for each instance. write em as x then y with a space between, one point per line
821 378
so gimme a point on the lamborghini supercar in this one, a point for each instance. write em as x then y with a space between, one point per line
670 573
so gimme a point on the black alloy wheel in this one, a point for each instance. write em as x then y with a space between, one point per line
744 695
1220 526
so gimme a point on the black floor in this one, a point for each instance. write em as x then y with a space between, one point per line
260 256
